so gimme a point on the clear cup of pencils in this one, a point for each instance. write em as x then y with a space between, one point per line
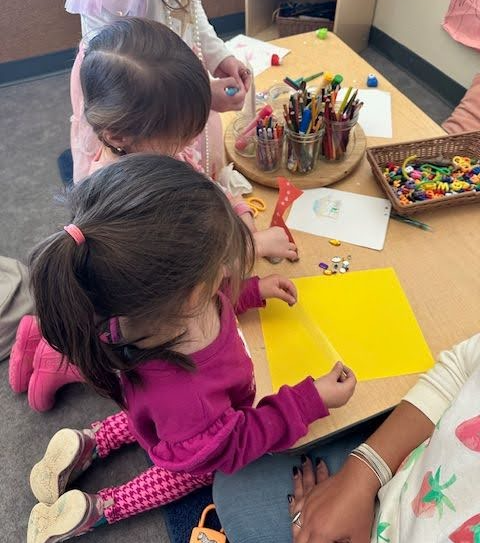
303 151
339 138
304 131
269 144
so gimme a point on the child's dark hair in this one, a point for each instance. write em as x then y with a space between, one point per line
139 79
155 229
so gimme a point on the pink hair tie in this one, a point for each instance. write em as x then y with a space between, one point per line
76 233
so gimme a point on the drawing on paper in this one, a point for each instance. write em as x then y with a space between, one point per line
327 207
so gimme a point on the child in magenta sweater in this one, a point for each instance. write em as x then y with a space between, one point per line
143 90
142 291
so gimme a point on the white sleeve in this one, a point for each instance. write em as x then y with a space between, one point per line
91 24
213 48
436 389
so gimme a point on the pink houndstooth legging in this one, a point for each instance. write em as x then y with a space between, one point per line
152 488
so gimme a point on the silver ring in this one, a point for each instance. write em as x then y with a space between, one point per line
296 519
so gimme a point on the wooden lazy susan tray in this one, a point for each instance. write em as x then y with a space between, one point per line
324 174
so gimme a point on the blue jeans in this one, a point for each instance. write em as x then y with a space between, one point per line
252 504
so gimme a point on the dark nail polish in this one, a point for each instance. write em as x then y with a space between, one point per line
295 471
303 459
289 498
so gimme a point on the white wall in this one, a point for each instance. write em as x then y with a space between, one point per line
416 24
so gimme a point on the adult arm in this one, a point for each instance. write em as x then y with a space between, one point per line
343 506
214 49
436 389
222 64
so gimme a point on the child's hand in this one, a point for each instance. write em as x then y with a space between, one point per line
337 387
276 286
274 242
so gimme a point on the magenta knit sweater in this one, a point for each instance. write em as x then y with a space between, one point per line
204 421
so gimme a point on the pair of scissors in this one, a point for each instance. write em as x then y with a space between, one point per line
255 204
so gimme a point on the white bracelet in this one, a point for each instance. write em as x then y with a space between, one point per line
374 461
358 457
378 462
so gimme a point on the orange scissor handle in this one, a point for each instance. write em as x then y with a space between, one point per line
256 204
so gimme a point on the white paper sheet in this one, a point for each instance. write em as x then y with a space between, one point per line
376 114
258 53
352 218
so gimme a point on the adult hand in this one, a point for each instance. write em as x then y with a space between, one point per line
230 73
232 67
336 509
221 101
276 286
274 243
304 481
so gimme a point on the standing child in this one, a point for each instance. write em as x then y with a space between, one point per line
142 292
186 18
145 91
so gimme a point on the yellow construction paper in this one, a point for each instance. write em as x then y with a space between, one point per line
362 318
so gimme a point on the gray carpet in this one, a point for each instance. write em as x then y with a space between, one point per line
34 130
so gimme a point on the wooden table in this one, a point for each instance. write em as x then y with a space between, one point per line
438 270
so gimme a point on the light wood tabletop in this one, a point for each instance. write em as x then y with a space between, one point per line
438 270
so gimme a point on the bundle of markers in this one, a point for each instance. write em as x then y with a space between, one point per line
339 122
304 121
269 143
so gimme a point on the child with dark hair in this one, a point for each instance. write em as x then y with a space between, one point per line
142 292
144 91
188 20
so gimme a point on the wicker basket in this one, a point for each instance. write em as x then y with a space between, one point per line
289 26
465 144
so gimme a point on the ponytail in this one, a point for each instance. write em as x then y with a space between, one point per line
67 318
63 288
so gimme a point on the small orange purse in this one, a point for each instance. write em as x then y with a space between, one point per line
200 534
